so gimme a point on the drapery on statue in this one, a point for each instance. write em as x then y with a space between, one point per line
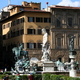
45 46
17 51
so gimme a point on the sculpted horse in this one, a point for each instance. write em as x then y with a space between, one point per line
24 53
17 51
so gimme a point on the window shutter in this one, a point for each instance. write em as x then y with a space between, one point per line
27 45
34 45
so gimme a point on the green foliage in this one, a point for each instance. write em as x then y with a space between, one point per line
23 77
57 77
7 72
11 77
1 73
46 76
2 76
37 76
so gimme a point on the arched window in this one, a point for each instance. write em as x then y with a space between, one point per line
58 22
31 30
70 22
58 43
39 30
59 40
39 42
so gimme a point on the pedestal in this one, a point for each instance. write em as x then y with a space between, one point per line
72 73
48 66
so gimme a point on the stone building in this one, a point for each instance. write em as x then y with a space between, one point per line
24 26
3 15
65 22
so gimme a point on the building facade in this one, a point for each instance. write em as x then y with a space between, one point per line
65 22
24 27
2 16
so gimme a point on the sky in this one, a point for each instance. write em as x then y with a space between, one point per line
75 3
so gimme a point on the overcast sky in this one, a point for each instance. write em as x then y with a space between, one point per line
75 3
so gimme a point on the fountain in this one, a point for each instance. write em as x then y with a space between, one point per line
48 65
22 63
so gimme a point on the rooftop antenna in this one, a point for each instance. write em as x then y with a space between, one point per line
9 2
47 5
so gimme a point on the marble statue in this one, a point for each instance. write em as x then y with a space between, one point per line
60 65
45 46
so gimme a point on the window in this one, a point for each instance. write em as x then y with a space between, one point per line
3 26
21 9
35 8
4 37
14 23
58 43
31 45
31 31
58 22
79 22
47 30
9 25
69 22
30 19
9 35
39 45
13 34
21 31
38 19
79 42
17 21
17 33
39 31
47 20
22 20
4 48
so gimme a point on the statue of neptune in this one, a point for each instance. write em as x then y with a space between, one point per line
45 46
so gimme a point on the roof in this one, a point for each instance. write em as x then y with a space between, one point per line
37 11
18 6
64 7
15 5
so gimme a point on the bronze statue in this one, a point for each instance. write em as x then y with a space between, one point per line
71 46
17 51
22 59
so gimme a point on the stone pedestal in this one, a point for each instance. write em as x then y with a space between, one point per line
48 66
72 73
